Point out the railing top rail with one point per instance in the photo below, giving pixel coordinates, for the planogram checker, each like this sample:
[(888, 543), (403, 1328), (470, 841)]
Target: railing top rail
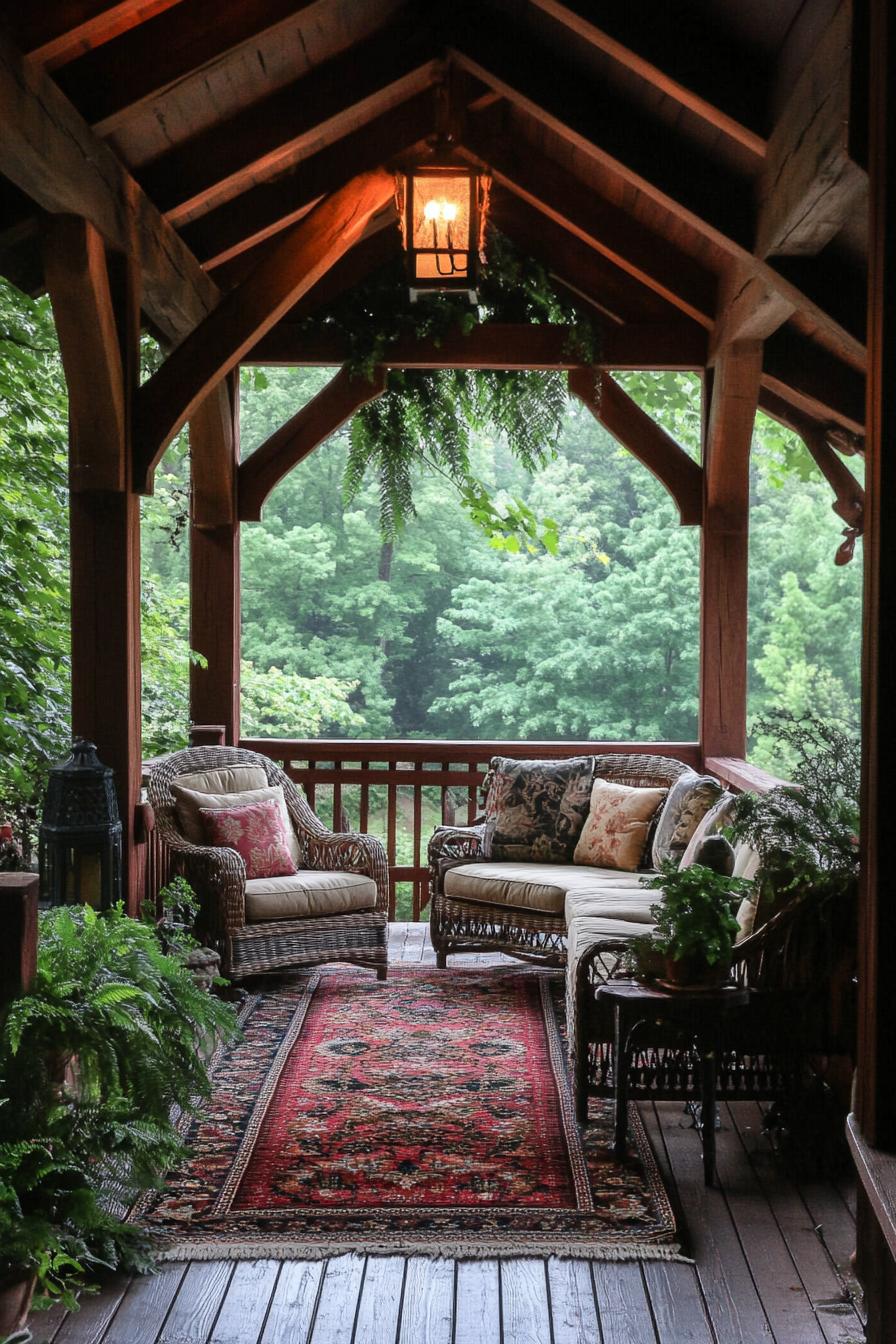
[(461, 750)]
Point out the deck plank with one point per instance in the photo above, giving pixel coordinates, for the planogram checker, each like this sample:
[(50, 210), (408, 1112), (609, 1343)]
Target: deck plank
[(676, 1302), (293, 1302), (477, 1317), (146, 1305), (790, 1313), (242, 1315), (824, 1289), (380, 1304), (525, 1309), (427, 1310), (337, 1305), (89, 1324), (573, 1305), (622, 1303), (732, 1302), (197, 1303)]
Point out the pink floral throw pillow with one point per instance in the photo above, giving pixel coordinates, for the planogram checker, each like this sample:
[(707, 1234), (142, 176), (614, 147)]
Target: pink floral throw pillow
[(257, 834), (615, 834)]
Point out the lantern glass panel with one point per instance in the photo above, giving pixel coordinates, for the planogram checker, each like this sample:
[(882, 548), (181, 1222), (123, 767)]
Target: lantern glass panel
[(442, 206)]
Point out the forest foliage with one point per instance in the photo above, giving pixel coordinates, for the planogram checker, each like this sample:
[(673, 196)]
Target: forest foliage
[(436, 631)]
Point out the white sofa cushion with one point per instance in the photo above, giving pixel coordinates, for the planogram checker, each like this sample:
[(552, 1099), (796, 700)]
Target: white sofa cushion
[(612, 902), (526, 886), (308, 895)]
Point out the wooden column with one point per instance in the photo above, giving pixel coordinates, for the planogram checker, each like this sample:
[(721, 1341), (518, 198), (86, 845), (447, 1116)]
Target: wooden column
[(872, 1129), (18, 933), (731, 393), (215, 562), (97, 314)]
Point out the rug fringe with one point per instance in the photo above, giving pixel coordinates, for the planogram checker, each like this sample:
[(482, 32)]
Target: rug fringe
[(460, 1250)]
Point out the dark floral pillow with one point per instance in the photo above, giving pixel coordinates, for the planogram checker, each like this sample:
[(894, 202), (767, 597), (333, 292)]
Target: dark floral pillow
[(535, 810)]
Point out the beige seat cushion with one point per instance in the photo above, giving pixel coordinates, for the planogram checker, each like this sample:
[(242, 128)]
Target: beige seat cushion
[(188, 801), (631, 904), (581, 935), (308, 895), (525, 886)]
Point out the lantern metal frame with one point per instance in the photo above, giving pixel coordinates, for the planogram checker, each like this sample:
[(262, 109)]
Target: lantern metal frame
[(81, 823), (450, 277)]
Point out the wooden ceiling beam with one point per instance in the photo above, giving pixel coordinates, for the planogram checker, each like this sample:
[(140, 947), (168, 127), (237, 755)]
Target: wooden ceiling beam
[(270, 206), (334, 99), (52, 34), (676, 53), (304, 253), (749, 310), (849, 497), (111, 80), (494, 345), (263, 469), (809, 185), (810, 378), (51, 154), (616, 132), (644, 439), (607, 228)]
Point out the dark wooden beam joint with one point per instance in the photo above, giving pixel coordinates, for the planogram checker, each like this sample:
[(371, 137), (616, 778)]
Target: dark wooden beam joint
[(637, 432)]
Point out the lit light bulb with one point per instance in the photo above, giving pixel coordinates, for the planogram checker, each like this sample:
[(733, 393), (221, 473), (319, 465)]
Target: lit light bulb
[(432, 210), (449, 211)]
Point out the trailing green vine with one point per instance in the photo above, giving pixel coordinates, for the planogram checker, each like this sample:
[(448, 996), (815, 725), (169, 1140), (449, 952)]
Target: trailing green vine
[(428, 418)]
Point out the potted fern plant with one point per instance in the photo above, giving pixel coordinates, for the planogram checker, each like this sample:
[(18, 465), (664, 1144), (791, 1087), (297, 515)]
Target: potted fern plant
[(695, 927), (113, 1036)]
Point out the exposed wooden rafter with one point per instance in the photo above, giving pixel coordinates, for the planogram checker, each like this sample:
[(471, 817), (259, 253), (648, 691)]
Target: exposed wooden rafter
[(304, 253), (58, 32), (51, 154)]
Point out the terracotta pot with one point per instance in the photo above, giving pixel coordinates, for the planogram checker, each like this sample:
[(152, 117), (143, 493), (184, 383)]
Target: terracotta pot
[(15, 1303), (695, 973)]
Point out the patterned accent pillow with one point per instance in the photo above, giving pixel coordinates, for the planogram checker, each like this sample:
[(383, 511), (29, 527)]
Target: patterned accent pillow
[(615, 834), (715, 820), (256, 832), (535, 809), (690, 798)]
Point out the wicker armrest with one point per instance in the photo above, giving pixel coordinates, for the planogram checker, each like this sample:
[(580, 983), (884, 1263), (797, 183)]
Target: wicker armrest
[(450, 846), (351, 852), (218, 876)]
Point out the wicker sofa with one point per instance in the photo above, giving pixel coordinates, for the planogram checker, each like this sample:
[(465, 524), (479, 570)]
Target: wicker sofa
[(335, 908), (799, 964)]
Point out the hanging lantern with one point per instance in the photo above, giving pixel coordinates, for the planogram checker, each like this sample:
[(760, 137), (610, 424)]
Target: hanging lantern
[(80, 833), (443, 212)]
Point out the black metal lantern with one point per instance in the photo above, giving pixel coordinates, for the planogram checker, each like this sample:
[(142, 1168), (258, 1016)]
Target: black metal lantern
[(443, 212), (80, 834)]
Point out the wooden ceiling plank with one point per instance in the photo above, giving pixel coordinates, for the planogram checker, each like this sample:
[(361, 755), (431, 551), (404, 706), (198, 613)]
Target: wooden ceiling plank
[(333, 99), (304, 253), (54, 33), (51, 154), (809, 185), (567, 200), (674, 67), (643, 437), (109, 81), (646, 152), (270, 206), (261, 471)]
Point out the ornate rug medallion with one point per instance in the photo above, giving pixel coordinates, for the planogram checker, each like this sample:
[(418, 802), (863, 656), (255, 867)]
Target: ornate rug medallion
[(431, 1114)]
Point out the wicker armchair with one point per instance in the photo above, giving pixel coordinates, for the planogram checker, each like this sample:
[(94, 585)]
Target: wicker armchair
[(218, 877), (459, 925)]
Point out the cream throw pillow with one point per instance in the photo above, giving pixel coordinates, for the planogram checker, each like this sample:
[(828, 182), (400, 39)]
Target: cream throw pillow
[(615, 834)]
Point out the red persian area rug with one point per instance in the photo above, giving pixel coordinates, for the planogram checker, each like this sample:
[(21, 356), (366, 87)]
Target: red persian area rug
[(431, 1114)]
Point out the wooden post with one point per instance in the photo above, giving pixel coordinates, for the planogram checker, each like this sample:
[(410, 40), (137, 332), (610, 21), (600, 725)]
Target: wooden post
[(215, 565), (97, 316), (18, 933), (731, 394)]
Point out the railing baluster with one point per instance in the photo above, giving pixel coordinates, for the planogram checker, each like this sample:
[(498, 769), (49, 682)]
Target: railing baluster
[(337, 797), (447, 800), (391, 830), (419, 902), (310, 788), (472, 791), (364, 805)]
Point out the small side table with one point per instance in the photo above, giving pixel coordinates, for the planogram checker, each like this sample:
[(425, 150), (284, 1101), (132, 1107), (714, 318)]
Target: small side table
[(701, 1013)]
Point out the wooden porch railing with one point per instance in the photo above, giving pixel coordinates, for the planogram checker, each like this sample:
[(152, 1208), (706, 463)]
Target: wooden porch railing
[(400, 790)]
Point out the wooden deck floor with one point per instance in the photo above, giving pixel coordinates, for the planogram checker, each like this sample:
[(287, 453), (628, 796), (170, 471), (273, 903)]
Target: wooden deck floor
[(771, 1267)]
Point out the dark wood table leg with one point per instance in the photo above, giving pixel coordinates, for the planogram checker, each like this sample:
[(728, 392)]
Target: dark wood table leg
[(709, 1057), (621, 1064)]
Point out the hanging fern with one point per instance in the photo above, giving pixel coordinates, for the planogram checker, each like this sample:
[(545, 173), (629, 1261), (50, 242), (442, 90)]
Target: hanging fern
[(428, 418)]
